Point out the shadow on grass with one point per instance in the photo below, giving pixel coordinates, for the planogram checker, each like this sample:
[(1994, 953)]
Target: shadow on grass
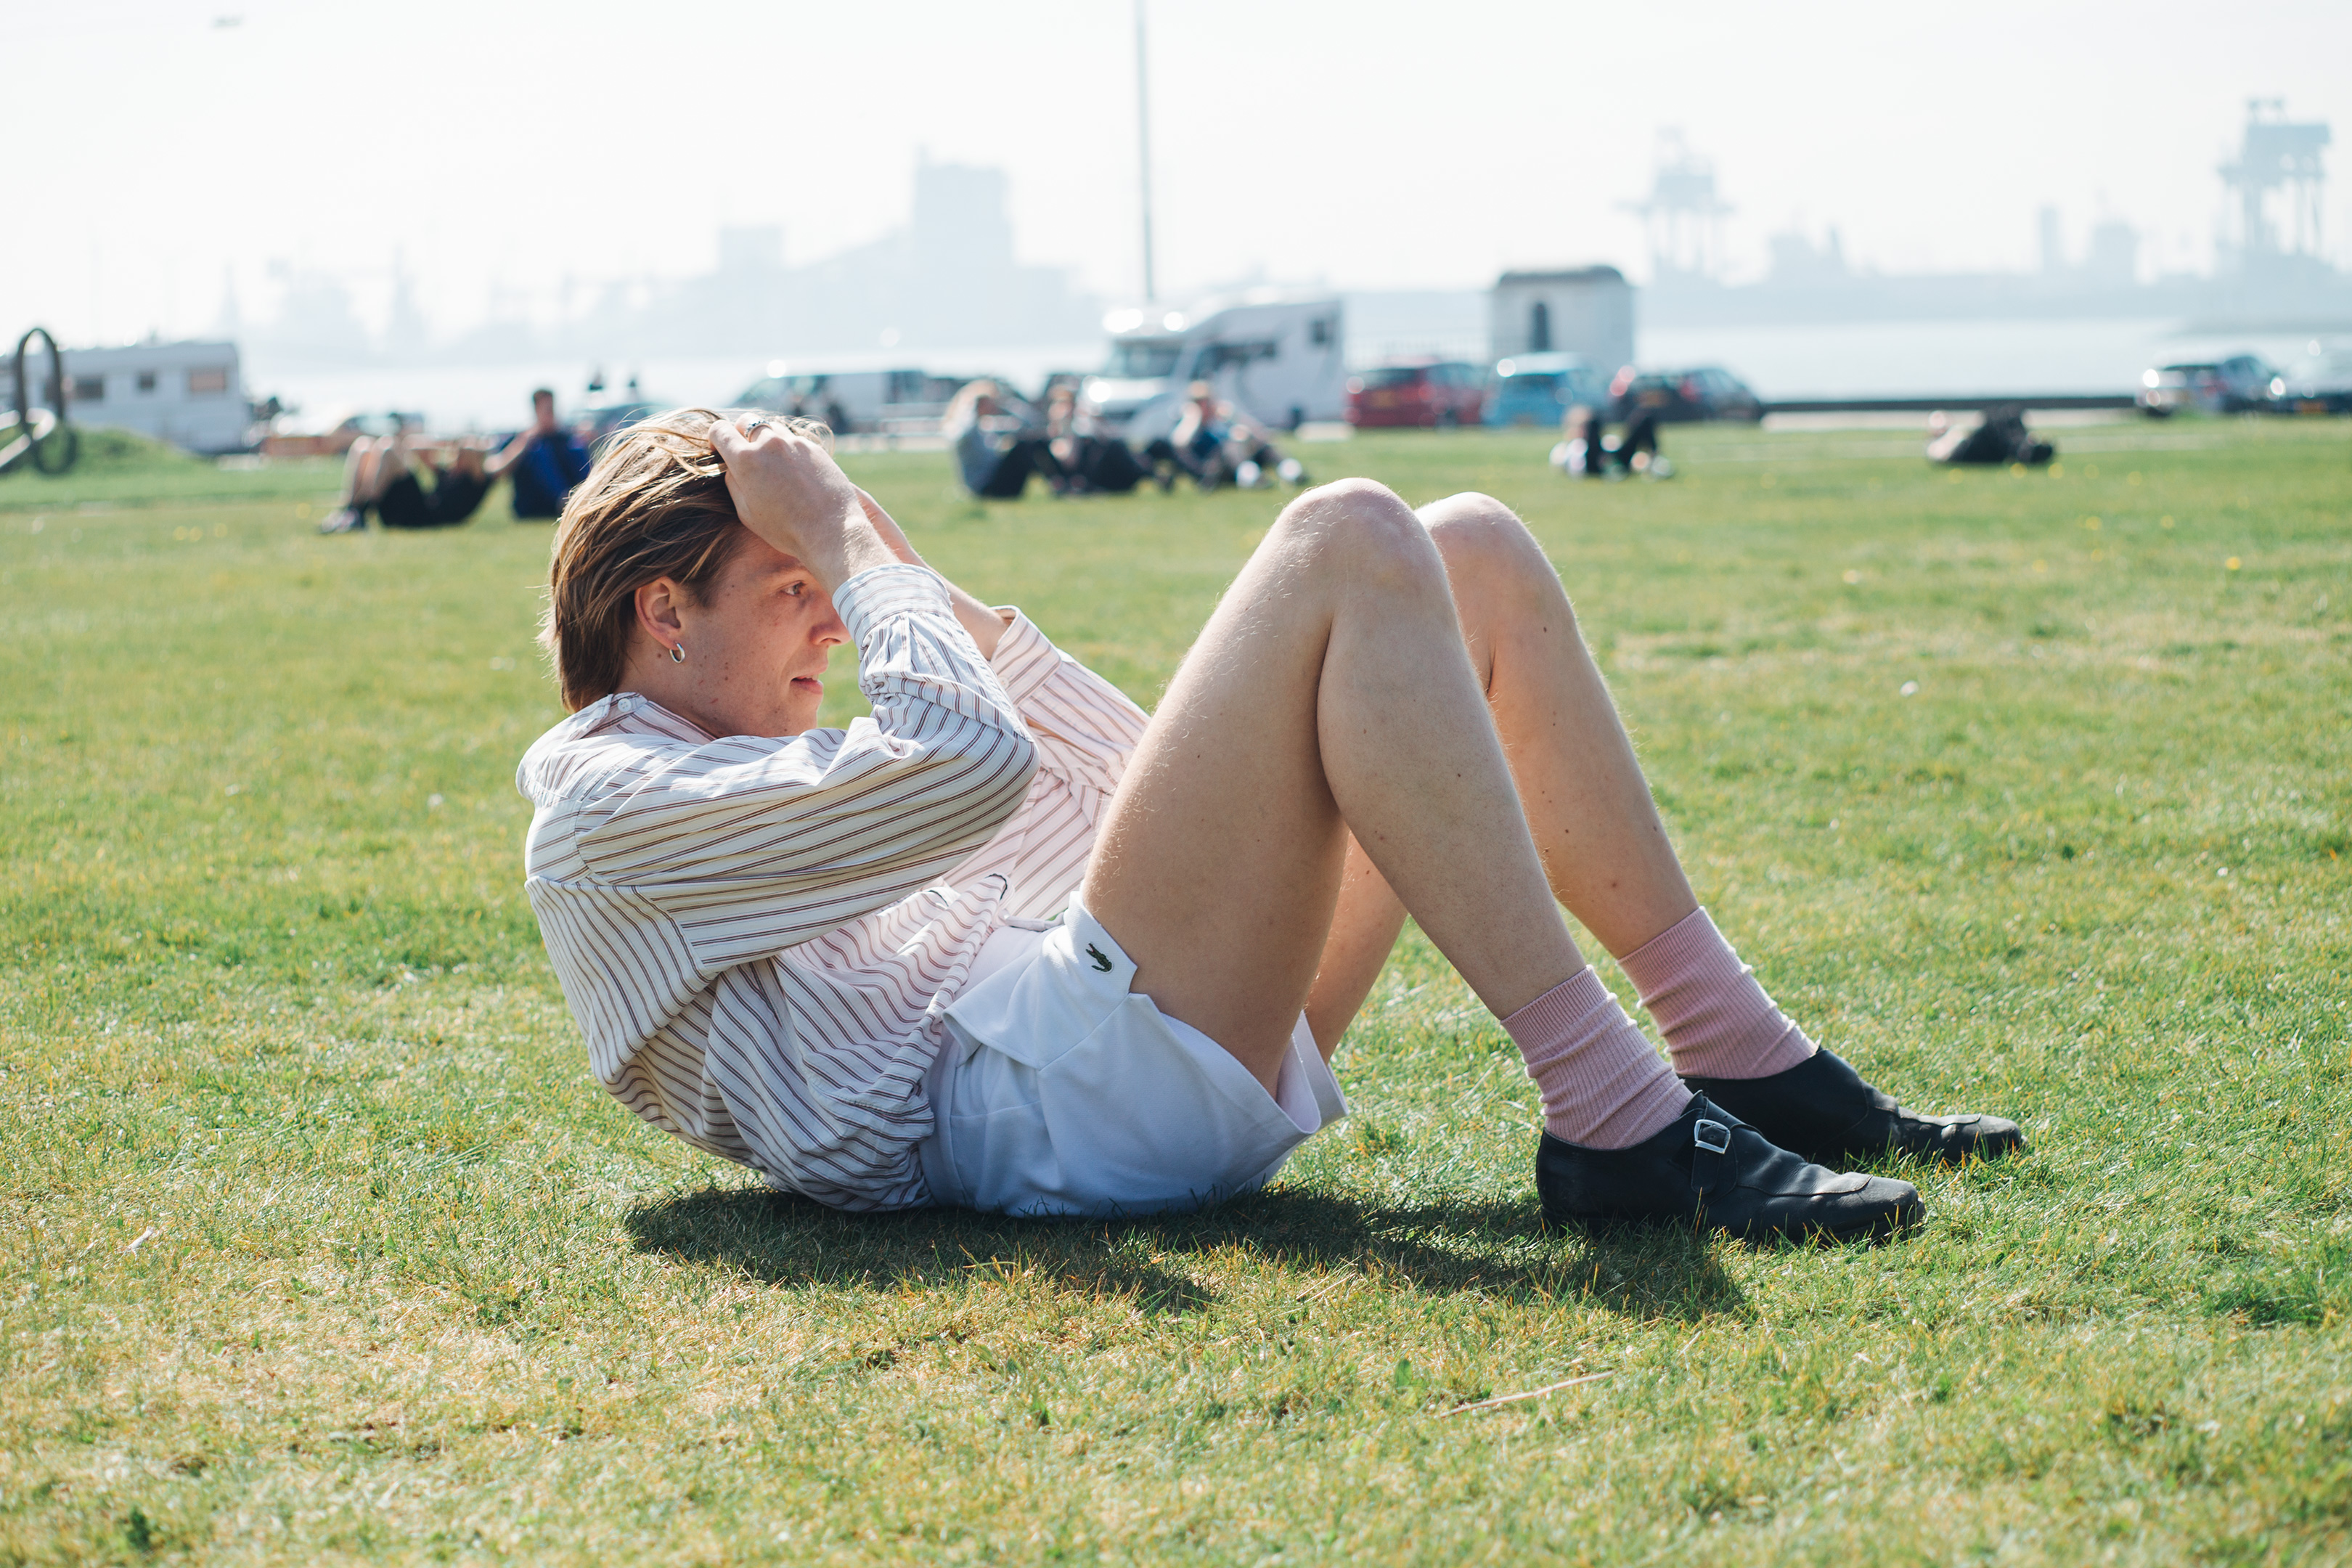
[(1441, 1246)]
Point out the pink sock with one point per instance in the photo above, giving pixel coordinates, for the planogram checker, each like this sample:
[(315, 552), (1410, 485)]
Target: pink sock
[(1602, 1083), (1718, 1023)]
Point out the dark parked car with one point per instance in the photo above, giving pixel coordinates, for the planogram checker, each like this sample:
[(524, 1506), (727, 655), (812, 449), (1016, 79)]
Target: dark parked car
[(1678, 396), (2242, 384), (1423, 392), (2320, 382)]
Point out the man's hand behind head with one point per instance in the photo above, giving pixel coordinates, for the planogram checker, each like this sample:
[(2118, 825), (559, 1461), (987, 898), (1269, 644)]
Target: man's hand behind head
[(788, 489)]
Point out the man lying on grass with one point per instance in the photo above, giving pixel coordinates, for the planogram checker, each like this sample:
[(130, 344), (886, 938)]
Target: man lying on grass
[(1012, 945)]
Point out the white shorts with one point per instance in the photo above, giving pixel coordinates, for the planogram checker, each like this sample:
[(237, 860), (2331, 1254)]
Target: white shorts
[(1063, 1092)]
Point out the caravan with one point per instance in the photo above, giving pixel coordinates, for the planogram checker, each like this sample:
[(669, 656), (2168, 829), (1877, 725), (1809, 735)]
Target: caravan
[(1280, 360), (191, 395)]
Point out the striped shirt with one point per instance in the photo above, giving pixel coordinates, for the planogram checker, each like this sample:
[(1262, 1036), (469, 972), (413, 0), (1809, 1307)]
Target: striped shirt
[(757, 935)]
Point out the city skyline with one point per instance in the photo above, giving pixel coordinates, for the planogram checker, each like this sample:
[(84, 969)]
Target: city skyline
[(1355, 146)]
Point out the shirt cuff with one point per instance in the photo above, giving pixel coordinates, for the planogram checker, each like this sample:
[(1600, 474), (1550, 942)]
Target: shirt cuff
[(873, 596), (1025, 658)]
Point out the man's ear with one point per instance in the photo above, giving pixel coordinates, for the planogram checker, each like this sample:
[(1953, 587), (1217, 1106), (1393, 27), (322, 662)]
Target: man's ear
[(658, 604)]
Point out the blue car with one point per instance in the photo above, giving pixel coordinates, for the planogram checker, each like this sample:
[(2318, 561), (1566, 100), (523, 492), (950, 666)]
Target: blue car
[(1539, 389)]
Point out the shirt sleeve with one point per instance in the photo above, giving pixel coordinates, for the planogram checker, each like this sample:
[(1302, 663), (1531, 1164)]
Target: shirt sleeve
[(753, 844), (1085, 728)]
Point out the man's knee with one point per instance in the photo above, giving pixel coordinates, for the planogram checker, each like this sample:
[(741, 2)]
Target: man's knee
[(1364, 527), (1485, 547)]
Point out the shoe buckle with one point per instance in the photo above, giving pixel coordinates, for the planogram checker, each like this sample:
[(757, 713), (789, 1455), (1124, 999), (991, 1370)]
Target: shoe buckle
[(1721, 1132)]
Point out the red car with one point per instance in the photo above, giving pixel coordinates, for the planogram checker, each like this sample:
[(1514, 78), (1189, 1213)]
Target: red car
[(1423, 393)]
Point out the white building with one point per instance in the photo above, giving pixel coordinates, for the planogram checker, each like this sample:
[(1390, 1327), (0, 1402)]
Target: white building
[(191, 395), (1586, 310)]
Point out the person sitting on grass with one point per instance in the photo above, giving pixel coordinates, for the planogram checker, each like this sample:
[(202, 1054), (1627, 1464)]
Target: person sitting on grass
[(544, 461), (1094, 460), (1218, 444), (380, 475), (1012, 944), (998, 441), (2000, 438), (1583, 452)]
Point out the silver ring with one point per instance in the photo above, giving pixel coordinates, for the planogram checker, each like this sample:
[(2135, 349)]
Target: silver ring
[(757, 423)]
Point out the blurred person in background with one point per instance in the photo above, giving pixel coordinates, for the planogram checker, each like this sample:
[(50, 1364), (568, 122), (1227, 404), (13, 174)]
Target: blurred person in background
[(998, 441), (1217, 443), (544, 462), (1584, 452), (821, 408), (1637, 447), (1581, 453), (380, 475), (2001, 438), (1093, 460)]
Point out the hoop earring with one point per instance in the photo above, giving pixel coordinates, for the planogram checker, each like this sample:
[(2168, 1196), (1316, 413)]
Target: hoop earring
[(677, 652)]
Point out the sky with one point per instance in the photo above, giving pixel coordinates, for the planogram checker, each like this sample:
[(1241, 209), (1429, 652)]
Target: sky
[(167, 150)]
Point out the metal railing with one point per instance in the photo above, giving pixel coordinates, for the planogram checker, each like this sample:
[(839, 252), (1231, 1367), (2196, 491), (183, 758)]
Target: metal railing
[(44, 437)]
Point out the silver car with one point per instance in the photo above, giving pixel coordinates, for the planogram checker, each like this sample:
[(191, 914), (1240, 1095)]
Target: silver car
[(2320, 382)]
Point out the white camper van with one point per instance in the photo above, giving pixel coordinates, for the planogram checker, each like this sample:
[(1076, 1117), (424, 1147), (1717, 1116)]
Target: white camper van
[(189, 393), (1280, 359)]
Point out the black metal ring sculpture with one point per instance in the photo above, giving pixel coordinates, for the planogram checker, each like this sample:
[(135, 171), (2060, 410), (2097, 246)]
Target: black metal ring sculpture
[(44, 436)]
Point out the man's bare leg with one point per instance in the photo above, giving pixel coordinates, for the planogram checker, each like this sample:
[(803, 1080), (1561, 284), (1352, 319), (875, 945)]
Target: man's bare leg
[(1329, 691), (1589, 807), (1605, 852), (368, 467), (1609, 859), (361, 470), (1327, 731), (1364, 930)]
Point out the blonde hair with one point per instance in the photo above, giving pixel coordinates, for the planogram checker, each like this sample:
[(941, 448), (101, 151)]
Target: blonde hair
[(655, 505)]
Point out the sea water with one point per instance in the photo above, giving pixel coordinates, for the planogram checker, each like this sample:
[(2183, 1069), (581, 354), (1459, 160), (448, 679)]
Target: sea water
[(1951, 359), (1882, 359)]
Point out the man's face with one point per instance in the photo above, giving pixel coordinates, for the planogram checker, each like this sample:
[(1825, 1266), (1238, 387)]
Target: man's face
[(542, 412), (758, 646)]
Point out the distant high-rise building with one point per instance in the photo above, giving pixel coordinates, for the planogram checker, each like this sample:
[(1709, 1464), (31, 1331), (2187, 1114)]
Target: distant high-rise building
[(2113, 258), (404, 330), (960, 213), (949, 279), (2054, 242), (231, 319), (751, 250)]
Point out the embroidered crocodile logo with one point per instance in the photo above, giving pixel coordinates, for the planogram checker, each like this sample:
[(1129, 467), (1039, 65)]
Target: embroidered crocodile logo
[(1100, 962)]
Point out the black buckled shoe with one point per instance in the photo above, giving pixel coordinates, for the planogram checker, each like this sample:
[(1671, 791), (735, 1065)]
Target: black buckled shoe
[(1711, 1169), (1823, 1109)]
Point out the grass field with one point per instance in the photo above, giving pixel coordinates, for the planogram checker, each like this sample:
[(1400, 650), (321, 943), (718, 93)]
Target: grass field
[(2028, 793)]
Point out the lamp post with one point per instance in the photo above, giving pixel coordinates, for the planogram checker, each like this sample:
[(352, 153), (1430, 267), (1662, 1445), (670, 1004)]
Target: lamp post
[(1143, 146)]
